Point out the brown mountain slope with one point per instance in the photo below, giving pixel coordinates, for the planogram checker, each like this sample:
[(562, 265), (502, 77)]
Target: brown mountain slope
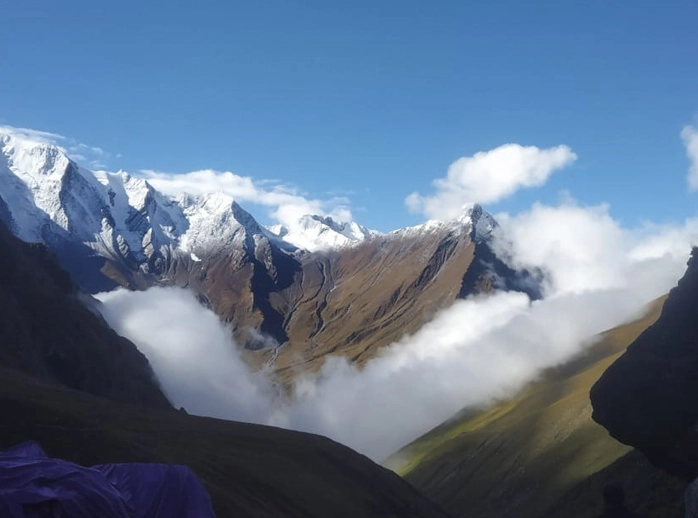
[(522, 457), (354, 302), (47, 331), (348, 302), (249, 471)]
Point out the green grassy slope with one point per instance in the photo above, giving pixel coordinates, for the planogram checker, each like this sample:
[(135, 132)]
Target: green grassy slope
[(519, 457), (249, 471)]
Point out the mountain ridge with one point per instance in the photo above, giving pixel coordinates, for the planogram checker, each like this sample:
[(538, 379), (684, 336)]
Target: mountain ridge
[(283, 302)]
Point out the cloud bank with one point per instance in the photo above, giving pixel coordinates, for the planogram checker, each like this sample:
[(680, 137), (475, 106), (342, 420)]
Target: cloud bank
[(490, 176), (475, 351), (690, 140), (191, 351)]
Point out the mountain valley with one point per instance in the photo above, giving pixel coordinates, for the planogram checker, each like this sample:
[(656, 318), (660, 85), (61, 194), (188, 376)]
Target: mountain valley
[(292, 297)]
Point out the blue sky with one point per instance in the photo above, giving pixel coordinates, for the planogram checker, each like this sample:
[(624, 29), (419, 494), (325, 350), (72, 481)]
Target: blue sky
[(370, 99)]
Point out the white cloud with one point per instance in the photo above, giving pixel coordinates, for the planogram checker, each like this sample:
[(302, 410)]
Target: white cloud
[(188, 347), (89, 156), (600, 274), (690, 140), (287, 205), (490, 176), (581, 248)]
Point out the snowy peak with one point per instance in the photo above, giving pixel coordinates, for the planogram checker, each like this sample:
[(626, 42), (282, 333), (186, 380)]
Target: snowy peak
[(39, 183), (316, 233), (320, 233), (479, 222), (47, 197)]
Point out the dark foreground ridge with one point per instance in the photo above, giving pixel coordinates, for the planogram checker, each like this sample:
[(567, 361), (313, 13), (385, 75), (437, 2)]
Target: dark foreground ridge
[(647, 398), (248, 470)]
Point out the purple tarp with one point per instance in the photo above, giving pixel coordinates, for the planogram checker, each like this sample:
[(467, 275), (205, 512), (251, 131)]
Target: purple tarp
[(32, 485)]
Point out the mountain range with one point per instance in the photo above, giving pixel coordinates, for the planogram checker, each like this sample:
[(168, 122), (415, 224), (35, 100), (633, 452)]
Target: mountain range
[(290, 296)]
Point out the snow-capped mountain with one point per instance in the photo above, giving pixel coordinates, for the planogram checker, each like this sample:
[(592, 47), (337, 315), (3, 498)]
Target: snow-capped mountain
[(47, 197), (319, 233), (110, 229)]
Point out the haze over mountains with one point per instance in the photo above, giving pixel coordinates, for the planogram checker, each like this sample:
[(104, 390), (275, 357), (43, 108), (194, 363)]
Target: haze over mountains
[(367, 341)]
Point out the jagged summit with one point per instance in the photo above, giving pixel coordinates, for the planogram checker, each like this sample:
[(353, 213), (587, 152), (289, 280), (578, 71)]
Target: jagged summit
[(481, 223), (44, 196)]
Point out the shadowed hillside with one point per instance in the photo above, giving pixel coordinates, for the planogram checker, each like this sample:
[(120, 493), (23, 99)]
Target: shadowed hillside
[(647, 398), (249, 470), (533, 455), (46, 330)]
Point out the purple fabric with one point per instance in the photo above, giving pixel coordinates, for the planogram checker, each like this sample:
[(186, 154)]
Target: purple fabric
[(160, 490), (32, 485)]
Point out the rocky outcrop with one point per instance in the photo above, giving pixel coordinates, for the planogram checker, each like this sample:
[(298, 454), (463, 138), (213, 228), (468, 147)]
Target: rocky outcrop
[(647, 398)]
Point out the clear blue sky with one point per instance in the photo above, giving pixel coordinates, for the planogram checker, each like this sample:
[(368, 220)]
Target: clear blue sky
[(374, 97)]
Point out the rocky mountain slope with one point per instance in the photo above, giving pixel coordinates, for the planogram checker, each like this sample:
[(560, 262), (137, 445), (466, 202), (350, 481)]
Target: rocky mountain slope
[(358, 291), (47, 330), (647, 397), (540, 453), (354, 300)]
